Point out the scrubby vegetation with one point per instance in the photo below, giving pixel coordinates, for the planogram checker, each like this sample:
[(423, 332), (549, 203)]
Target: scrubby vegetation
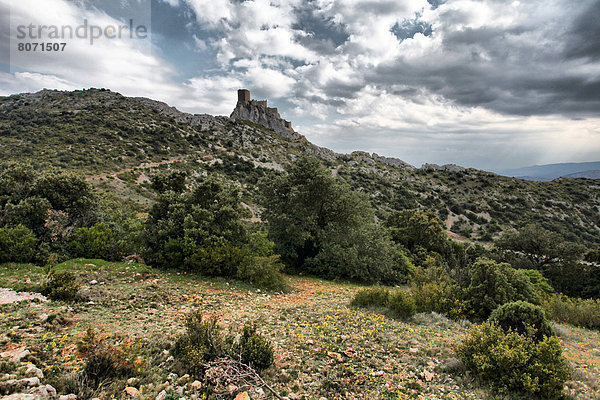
[(513, 362), (206, 213)]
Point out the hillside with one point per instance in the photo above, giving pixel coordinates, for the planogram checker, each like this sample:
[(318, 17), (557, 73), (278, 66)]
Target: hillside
[(119, 142)]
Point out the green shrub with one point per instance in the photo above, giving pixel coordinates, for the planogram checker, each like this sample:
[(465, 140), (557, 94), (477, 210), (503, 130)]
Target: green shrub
[(254, 350), (579, 312), (202, 342), (263, 272), (376, 296), (440, 297), (539, 282), (61, 286), (17, 244), (519, 316), (511, 362), (402, 304), (99, 241), (223, 260), (493, 284)]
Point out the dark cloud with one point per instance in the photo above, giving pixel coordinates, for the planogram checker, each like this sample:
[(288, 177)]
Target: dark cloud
[(323, 34), (584, 35), (436, 3), (524, 69), (409, 28)]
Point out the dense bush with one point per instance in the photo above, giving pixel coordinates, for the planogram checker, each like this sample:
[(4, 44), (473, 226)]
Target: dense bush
[(253, 349), (585, 313), (99, 241), (61, 286), (49, 203), (322, 227), (412, 228), (575, 279), (520, 317), (434, 290), (540, 284), (493, 284), (27, 194), (264, 272), (221, 260), (17, 244), (511, 362), (399, 303), (376, 296), (202, 342), (202, 230), (402, 304), (534, 247), (195, 227)]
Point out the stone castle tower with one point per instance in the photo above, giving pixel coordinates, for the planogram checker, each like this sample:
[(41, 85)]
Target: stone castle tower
[(258, 112)]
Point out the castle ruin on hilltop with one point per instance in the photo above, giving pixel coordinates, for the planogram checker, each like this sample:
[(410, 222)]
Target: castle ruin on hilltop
[(257, 111)]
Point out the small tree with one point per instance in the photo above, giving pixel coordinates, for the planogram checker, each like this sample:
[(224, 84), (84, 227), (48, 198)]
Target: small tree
[(537, 248), (493, 284), (322, 227)]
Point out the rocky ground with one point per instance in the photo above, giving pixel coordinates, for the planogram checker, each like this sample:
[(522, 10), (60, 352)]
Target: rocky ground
[(324, 349)]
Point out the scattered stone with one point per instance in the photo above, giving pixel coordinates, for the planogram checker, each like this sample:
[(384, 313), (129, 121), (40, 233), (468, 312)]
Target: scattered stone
[(16, 355), (183, 380), (242, 396), (132, 381), (19, 396), (310, 342), (46, 392), (67, 397), (162, 395), (334, 355), (32, 370), (350, 352), (377, 373), (428, 375), (30, 382), (93, 282), (413, 350), (172, 376), (196, 385), (131, 391)]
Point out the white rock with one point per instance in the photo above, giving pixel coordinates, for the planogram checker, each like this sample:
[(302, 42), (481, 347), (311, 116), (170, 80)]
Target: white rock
[(32, 370)]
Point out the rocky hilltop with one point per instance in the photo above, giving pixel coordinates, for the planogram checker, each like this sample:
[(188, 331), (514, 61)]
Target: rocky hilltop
[(258, 112)]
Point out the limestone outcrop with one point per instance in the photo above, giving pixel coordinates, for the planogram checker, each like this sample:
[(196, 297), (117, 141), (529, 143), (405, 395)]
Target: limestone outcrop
[(258, 112)]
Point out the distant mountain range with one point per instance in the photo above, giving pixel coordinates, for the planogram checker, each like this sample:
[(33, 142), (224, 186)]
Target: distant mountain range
[(590, 170)]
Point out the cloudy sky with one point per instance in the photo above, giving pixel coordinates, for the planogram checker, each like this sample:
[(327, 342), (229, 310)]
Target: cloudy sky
[(490, 84)]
